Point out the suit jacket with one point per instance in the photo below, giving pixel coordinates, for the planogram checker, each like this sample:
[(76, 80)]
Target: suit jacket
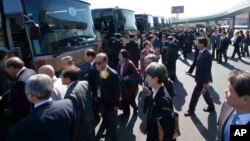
[(129, 70), (19, 104), (171, 53), (157, 43), (5, 81), (48, 122), (203, 67), (225, 113), (237, 41), (93, 77), (84, 125), (134, 51), (224, 43), (115, 48), (157, 111), (110, 90)]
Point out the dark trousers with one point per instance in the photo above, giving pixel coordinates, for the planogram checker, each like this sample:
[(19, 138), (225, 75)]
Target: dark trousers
[(241, 49), (126, 101), (196, 95), (3, 127), (246, 50), (192, 67), (171, 67), (236, 50), (110, 123), (95, 111), (184, 51), (220, 53), (214, 51)]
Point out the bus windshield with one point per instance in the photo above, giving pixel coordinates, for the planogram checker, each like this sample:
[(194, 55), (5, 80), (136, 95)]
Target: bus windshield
[(65, 25), (150, 21), (159, 21), (126, 19)]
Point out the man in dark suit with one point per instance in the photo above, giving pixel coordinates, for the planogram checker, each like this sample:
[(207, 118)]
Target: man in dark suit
[(133, 49), (236, 44), (157, 45), (203, 77), (106, 91), (19, 105), (236, 108), (222, 47), (79, 93), (5, 83), (89, 57), (171, 57), (115, 48), (50, 120)]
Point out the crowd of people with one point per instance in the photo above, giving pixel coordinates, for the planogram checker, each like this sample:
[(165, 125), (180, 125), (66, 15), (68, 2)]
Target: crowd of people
[(70, 105)]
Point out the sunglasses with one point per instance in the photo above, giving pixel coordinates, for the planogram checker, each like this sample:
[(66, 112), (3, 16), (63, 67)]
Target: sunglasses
[(98, 63)]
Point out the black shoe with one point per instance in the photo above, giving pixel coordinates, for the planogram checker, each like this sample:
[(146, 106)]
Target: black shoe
[(208, 109), (188, 114)]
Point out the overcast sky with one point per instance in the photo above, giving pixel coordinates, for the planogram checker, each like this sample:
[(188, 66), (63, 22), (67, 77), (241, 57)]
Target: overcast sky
[(192, 8)]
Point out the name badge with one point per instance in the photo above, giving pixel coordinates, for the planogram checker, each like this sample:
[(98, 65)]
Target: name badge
[(99, 92)]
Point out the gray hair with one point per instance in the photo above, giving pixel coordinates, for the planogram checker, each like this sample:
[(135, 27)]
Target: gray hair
[(152, 58), (158, 70), (40, 86), (68, 59)]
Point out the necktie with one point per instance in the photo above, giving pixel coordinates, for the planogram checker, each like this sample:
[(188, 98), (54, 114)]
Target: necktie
[(199, 56), (232, 122)]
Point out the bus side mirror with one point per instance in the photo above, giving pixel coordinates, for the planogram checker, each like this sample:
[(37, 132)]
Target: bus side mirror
[(33, 30)]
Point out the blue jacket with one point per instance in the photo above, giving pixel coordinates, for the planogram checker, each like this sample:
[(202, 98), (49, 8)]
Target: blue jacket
[(203, 68)]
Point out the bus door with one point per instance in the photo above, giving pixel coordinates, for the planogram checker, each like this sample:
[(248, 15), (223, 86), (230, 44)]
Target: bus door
[(109, 23), (18, 40)]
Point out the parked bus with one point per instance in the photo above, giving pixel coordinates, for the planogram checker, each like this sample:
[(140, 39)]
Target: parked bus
[(163, 21), (42, 31), (157, 22), (114, 20), (144, 22)]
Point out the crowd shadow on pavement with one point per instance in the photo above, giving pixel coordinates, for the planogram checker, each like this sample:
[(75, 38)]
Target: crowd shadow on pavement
[(214, 95), (181, 93), (208, 133), (245, 62), (229, 66), (125, 128)]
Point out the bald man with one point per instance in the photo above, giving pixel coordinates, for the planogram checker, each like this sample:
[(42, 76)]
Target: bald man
[(59, 89), (19, 105)]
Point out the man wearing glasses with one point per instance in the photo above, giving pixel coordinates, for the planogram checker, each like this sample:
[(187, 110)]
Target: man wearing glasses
[(106, 91)]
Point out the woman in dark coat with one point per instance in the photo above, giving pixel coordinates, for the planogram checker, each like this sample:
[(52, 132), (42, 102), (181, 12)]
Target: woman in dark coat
[(160, 121), (127, 72)]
